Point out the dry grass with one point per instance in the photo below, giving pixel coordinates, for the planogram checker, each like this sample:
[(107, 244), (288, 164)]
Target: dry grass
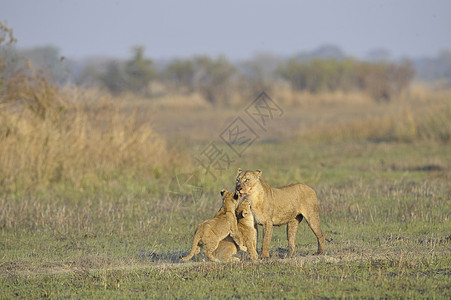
[(287, 96), (420, 116), (408, 126), (50, 134)]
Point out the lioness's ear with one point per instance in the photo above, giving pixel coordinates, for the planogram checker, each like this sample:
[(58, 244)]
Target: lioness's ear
[(238, 172), (259, 173), (223, 191)]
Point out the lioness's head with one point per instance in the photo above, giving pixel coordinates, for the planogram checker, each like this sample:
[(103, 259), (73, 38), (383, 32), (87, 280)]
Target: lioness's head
[(229, 199), (246, 181)]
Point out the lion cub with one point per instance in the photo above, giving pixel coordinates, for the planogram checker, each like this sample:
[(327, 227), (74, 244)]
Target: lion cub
[(211, 232), (227, 246)]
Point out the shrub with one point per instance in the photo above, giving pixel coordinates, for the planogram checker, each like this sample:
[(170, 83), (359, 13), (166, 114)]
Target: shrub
[(380, 80)]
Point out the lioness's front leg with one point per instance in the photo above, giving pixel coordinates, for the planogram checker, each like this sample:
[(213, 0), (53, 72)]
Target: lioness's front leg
[(267, 234), (292, 227)]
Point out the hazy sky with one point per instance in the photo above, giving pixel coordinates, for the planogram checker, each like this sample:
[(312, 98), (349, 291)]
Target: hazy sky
[(237, 29)]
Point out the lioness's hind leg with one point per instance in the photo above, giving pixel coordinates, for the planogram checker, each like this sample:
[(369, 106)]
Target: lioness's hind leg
[(313, 222), (292, 228)]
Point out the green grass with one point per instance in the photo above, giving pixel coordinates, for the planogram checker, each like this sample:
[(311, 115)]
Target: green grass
[(402, 277), (385, 208)]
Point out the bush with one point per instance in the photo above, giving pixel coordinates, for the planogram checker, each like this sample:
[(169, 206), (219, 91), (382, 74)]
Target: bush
[(134, 75), (381, 81)]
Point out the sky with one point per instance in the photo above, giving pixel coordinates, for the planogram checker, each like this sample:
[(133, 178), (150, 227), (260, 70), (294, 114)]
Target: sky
[(237, 29)]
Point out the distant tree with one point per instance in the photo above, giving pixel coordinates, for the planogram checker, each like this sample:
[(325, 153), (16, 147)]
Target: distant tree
[(134, 75), (318, 75), (139, 72), (401, 75), (325, 52), (381, 81), (213, 77), (113, 78), (329, 52), (260, 71), (374, 80), (179, 75), (295, 73)]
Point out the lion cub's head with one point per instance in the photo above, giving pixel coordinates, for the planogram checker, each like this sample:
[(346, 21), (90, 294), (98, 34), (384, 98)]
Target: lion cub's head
[(246, 181), (244, 213), (229, 200)]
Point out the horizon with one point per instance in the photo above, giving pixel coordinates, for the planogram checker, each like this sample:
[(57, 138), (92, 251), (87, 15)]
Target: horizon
[(237, 30)]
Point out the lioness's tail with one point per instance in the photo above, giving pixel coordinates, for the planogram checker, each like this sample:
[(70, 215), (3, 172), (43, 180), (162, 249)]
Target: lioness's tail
[(194, 247)]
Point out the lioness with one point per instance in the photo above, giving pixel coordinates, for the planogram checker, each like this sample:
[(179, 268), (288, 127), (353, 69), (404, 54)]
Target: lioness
[(212, 231), (227, 246), (278, 206)]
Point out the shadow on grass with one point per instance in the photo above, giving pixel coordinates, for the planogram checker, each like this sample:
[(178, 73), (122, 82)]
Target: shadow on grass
[(174, 256), (168, 257)]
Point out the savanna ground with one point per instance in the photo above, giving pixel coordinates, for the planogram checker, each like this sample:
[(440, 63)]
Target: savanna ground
[(100, 197)]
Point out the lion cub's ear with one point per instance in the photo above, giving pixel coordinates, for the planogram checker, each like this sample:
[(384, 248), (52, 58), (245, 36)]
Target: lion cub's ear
[(244, 213), (223, 191), (238, 172), (259, 173)]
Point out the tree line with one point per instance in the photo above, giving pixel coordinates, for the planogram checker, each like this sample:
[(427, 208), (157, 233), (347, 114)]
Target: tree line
[(217, 78), (382, 81)]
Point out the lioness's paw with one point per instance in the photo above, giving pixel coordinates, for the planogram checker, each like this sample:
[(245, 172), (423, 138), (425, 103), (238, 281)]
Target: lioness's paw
[(243, 248)]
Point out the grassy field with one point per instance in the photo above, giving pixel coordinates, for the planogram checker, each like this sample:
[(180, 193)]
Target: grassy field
[(100, 199)]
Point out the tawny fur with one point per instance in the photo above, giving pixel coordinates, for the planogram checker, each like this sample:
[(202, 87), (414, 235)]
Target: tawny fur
[(279, 206), (227, 247), (212, 231)]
